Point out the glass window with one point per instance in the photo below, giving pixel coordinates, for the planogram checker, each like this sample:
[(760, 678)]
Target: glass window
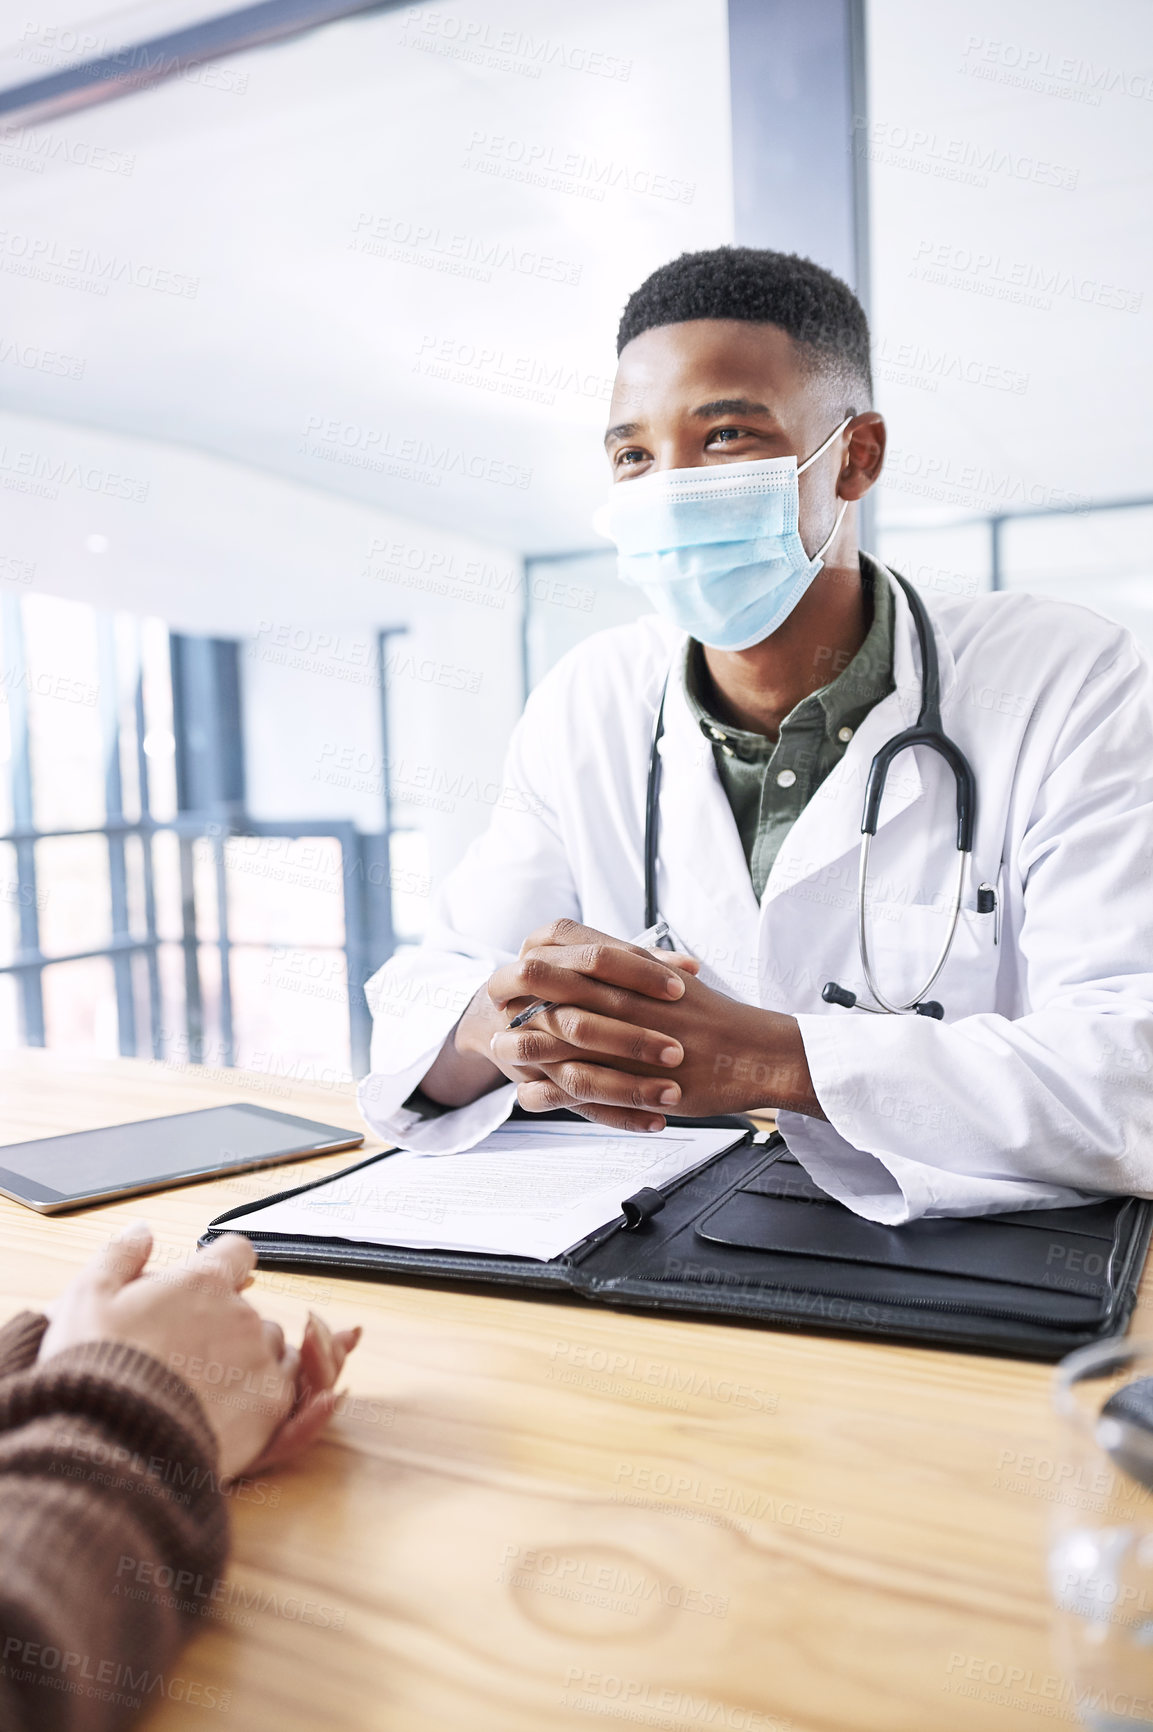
[(62, 681), (73, 893), (10, 898), (80, 1008), (290, 1009), (281, 888)]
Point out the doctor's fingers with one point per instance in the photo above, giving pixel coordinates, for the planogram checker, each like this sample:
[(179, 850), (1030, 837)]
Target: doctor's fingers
[(594, 976), (570, 934), (567, 1032), (543, 1097), (613, 1118), (581, 1083)]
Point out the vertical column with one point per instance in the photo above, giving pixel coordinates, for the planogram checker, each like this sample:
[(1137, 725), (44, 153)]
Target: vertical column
[(799, 120), (148, 858), (798, 115), (526, 577), (370, 930), (23, 823), (207, 723), (114, 814), (996, 553)]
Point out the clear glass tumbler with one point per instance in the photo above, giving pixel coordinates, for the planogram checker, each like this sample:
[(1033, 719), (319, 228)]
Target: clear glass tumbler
[(1101, 1549)]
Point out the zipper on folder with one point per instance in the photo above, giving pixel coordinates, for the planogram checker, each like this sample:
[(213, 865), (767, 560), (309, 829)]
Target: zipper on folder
[(951, 1306)]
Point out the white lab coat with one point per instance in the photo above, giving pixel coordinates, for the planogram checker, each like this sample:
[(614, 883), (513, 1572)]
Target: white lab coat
[(1035, 1088)]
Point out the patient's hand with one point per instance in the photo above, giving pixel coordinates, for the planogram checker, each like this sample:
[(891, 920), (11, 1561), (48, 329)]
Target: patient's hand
[(264, 1399)]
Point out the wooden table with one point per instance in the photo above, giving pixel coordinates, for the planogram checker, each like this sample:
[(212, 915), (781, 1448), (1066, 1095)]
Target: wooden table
[(542, 1517)]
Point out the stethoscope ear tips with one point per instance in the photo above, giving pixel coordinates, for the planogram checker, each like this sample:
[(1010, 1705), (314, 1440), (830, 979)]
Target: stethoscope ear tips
[(930, 1007)]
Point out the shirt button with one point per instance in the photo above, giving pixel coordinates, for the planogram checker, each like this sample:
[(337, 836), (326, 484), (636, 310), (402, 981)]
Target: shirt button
[(786, 778), (844, 735)]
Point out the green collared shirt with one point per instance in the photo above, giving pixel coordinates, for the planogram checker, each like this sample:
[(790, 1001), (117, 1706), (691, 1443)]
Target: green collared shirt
[(770, 782)]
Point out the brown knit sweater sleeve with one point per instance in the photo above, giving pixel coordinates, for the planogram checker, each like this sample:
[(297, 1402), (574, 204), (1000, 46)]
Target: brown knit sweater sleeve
[(113, 1533)]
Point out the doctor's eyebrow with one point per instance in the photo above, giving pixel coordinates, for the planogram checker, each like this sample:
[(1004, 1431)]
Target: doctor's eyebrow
[(732, 406), (705, 412)]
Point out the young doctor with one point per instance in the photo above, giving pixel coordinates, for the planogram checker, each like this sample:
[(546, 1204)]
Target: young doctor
[(740, 439)]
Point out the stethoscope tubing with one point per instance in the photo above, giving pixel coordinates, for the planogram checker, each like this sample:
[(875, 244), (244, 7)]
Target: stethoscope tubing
[(652, 809), (863, 933)]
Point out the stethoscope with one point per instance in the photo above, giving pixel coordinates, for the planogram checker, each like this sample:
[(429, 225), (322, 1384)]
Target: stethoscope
[(926, 731)]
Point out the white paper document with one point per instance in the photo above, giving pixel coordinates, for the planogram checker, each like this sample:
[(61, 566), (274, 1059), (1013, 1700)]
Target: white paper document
[(526, 1190)]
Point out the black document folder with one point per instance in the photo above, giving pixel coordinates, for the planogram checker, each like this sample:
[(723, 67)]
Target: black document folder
[(750, 1236)]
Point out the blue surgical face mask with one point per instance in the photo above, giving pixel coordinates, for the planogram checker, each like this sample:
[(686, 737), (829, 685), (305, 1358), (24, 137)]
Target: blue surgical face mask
[(716, 549)]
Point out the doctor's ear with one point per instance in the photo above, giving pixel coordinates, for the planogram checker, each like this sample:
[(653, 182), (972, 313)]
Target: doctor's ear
[(864, 455)]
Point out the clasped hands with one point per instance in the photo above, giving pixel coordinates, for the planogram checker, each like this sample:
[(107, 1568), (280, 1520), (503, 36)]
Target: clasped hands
[(634, 1035)]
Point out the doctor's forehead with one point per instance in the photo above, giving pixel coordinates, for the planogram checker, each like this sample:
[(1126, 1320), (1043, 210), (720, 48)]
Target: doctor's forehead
[(676, 369)]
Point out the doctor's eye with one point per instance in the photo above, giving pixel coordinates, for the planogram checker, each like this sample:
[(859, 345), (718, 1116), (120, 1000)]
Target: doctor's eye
[(629, 456), (725, 435)]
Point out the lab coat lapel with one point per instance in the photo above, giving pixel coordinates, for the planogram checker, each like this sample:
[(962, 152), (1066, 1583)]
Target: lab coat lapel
[(704, 890), (829, 827)]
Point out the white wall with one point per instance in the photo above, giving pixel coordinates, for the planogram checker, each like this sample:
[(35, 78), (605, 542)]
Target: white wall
[(1009, 153)]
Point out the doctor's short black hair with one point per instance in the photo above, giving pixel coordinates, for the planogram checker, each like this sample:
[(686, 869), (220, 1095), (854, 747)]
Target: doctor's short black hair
[(815, 308)]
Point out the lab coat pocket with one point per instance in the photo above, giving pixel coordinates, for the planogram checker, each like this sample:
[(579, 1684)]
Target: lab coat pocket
[(904, 945)]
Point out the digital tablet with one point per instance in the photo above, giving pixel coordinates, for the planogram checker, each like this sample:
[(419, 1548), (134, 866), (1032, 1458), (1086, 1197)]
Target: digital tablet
[(55, 1173)]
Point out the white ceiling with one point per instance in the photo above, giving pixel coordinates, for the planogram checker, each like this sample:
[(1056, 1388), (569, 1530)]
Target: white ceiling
[(367, 132), (303, 352), (52, 35)]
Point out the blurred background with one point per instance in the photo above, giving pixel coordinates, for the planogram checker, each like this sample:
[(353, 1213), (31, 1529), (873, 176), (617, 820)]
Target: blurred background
[(306, 346)]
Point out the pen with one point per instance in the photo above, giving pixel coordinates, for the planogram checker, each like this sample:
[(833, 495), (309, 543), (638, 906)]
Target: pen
[(650, 938)]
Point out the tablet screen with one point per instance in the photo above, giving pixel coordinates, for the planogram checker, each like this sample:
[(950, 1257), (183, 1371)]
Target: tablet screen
[(154, 1153)]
